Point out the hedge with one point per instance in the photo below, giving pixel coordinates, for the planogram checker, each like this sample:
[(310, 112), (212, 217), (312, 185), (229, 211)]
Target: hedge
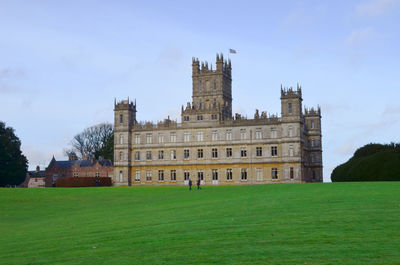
[(83, 182)]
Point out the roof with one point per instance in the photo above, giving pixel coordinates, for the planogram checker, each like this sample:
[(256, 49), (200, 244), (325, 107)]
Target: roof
[(81, 163), (37, 174)]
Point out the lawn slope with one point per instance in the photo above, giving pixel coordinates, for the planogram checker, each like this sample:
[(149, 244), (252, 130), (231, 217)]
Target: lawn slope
[(337, 223)]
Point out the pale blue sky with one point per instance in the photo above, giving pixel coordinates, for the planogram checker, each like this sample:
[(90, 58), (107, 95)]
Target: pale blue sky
[(63, 62)]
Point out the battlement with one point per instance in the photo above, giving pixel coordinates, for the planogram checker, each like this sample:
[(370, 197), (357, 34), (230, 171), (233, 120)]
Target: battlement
[(289, 92), (125, 105), (312, 112), (223, 66)]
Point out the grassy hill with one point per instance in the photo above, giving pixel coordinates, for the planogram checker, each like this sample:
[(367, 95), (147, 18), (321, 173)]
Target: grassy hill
[(372, 162), (336, 223)]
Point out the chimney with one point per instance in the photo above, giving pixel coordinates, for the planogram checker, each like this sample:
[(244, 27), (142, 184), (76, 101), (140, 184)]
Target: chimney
[(37, 168)]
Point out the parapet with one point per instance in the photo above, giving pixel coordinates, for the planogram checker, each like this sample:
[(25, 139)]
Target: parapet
[(312, 112), (124, 105), (223, 66), (289, 92)]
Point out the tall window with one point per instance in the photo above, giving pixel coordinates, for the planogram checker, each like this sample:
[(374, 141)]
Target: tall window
[(121, 156), (200, 175), (173, 137), (149, 138), (215, 85), (291, 152), (215, 135), (200, 85), (186, 153), (214, 116), (161, 175), (290, 108), (148, 155), (161, 154), (121, 118), (242, 134), (173, 175), (258, 134), (121, 139), (243, 152), (312, 125), (199, 153), (186, 137), (200, 136), (229, 152), (137, 138), (313, 175), (312, 157), (121, 176), (137, 175), (185, 118), (259, 174), (228, 135), (312, 142), (274, 150), (200, 117), (274, 173), (161, 138), (214, 152), (243, 172), (291, 173), (137, 155), (97, 175), (290, 131), (229, 174), (259, 151), (273, 133), (173, 154), (149, 175), (186, 175), (214, 174)]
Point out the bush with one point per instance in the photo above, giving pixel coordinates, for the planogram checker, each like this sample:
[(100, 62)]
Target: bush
[(83, 182)]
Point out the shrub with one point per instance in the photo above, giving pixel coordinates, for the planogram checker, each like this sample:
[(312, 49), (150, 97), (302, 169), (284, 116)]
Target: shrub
[(83, 182)]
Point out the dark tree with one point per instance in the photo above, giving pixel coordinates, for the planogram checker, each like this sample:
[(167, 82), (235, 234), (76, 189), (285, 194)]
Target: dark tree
[(13, 164), (97, 140)]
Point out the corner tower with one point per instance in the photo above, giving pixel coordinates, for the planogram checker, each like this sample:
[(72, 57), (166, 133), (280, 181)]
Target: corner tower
[(124, 119)]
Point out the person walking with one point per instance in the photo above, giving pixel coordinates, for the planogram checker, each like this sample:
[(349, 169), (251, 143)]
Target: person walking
[(198, 184), (190, 184)]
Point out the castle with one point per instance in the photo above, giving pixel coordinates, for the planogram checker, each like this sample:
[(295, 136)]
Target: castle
[(211, 145)]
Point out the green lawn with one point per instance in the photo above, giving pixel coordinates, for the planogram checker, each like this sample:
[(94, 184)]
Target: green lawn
[(339, 223)]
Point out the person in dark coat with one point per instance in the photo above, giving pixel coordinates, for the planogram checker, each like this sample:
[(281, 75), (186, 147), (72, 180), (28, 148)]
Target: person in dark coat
[(190, 184), (198, 184)]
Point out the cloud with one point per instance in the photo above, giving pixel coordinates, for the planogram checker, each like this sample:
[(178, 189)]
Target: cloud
[(361, 36), (375, 8), (391, 110)]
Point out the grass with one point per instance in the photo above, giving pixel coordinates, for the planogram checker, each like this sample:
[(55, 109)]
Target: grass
[(337, 223)]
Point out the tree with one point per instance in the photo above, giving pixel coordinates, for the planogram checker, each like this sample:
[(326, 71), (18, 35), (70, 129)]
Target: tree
[(13, 164), (97, 140)]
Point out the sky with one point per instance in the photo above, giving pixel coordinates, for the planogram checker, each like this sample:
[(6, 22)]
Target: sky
[(62, 64)]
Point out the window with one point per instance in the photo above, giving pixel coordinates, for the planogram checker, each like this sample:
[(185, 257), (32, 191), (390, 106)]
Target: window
[(229, 135), (200, 136), (214, 152), (258, 134), (149, 138), (312, 143), (121, 118), (274, 173), (290, 133), (313, 175), (97, 175), (291, 152), (273, 133), (243, 152), (75, 175), (214, 116), (312, 125), (229, 174), (161, 154), (259, 151), (161, 175), (200, 175), (186, 153), (137, 175), (148, 155), (274, 150), (121, 139), (214, 174), (243, 174), (199, 153), (173, 137), (228, 152), (200, 85), (137, 155), (173, 154), (214, 135), (173, 175), (121, 156), (312, 157), (137, 138), (149, 175), (186, 118), (186, 175), (259, 174), (161, 138), (200, 117), (242, 134), (121, 176), (215, 85), (291, 173), (186, 137), (290, 109)]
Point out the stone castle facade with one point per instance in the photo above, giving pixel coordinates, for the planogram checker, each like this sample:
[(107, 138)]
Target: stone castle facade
[(215, 146)]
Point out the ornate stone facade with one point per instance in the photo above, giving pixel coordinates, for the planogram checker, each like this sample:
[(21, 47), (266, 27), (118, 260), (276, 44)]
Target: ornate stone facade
[(214, 146)]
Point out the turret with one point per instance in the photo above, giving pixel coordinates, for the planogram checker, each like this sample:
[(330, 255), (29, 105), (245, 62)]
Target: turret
[(291, 104)]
